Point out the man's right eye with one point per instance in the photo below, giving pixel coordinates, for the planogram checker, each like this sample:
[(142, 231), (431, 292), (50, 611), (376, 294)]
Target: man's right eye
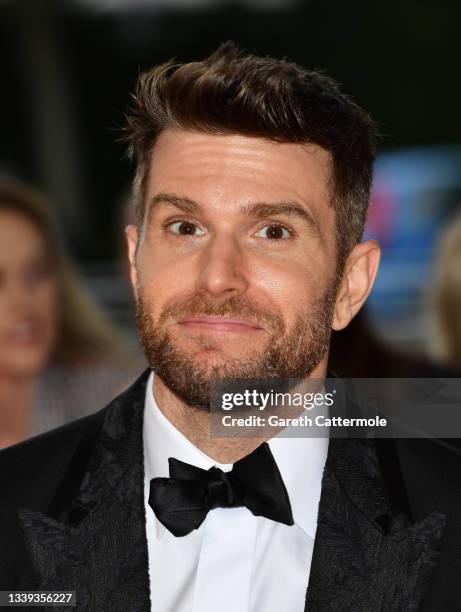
[(185, 228)]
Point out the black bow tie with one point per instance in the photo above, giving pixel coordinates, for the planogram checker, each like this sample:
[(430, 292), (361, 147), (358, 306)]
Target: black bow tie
[(182, 501)]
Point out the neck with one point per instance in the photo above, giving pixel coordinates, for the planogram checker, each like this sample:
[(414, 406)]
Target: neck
[(194, 423), (16, 394)]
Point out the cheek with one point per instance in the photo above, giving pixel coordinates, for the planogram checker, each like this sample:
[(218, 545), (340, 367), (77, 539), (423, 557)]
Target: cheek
[(162, 262), (160, 282), (5, 311), (47, 305), (291, 287)]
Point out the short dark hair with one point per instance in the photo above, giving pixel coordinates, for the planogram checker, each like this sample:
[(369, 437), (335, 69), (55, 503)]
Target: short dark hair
[(232, 92)]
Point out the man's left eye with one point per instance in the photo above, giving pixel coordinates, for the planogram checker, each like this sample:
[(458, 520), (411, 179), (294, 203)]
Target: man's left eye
[(274, 232)]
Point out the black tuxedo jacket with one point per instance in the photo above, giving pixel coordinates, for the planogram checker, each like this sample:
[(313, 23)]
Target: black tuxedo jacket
[(72, 517)]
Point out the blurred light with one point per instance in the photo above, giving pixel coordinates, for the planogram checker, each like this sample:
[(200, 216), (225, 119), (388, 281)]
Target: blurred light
[(416, 191)]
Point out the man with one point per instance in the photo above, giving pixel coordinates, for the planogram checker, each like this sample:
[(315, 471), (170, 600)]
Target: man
[(252, 186)]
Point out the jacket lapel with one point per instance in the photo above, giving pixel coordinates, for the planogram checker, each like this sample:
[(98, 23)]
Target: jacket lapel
[(367, 555), (97, 544)]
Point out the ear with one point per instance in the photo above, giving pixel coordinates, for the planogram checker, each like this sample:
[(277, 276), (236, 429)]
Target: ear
[(131, 233), (357, 282)]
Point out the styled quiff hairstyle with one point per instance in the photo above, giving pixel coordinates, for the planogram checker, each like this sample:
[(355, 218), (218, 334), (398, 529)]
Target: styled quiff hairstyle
[(231, 92)]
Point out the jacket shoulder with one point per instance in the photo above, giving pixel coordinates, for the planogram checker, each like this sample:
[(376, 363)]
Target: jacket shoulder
[(38, 462), (31, 471)]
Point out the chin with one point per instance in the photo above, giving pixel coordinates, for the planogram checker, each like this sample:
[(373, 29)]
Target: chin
[(214, 347), (212, 357), (24, 368)]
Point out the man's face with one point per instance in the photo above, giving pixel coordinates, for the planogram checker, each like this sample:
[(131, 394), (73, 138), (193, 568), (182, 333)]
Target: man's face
[(235, 268)]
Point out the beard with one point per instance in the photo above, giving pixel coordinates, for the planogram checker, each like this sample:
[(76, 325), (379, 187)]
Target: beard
[(287, 354)]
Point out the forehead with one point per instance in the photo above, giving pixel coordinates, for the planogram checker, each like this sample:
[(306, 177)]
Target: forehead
[(19, 237), (231, 170)]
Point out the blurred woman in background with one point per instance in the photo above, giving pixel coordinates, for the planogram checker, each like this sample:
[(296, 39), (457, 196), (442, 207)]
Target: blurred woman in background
[(446, 344), (59, 356)]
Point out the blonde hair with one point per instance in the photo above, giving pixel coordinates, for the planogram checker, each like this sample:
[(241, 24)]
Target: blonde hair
[(447, 294), (84, 333)]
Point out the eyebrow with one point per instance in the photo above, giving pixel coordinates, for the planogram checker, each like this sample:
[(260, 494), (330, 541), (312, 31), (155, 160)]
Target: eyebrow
[(258, 209)]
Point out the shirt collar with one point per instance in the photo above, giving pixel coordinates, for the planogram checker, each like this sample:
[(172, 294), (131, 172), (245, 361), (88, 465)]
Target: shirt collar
[(300, 460)]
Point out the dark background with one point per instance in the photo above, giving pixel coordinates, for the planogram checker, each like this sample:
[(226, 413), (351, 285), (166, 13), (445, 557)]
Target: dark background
[(399, 59)]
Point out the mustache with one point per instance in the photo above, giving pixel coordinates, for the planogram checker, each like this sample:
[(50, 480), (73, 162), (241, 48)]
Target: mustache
[(236, 307)]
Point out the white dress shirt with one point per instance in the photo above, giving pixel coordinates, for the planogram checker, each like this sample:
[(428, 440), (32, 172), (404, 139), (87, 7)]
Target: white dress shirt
[(235, 561)]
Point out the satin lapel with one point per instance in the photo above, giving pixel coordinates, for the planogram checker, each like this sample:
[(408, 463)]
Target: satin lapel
[(365, 558), (99, 548)]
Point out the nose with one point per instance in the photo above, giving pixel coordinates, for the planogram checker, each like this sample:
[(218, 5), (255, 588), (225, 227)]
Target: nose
[(222, 268)]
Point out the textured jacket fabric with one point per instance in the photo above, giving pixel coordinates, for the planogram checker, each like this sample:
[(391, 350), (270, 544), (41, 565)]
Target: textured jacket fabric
[(72, 517)]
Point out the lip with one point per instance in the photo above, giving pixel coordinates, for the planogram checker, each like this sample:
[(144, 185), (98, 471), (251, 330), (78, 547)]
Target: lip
[(27, 333), (219, 324)]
